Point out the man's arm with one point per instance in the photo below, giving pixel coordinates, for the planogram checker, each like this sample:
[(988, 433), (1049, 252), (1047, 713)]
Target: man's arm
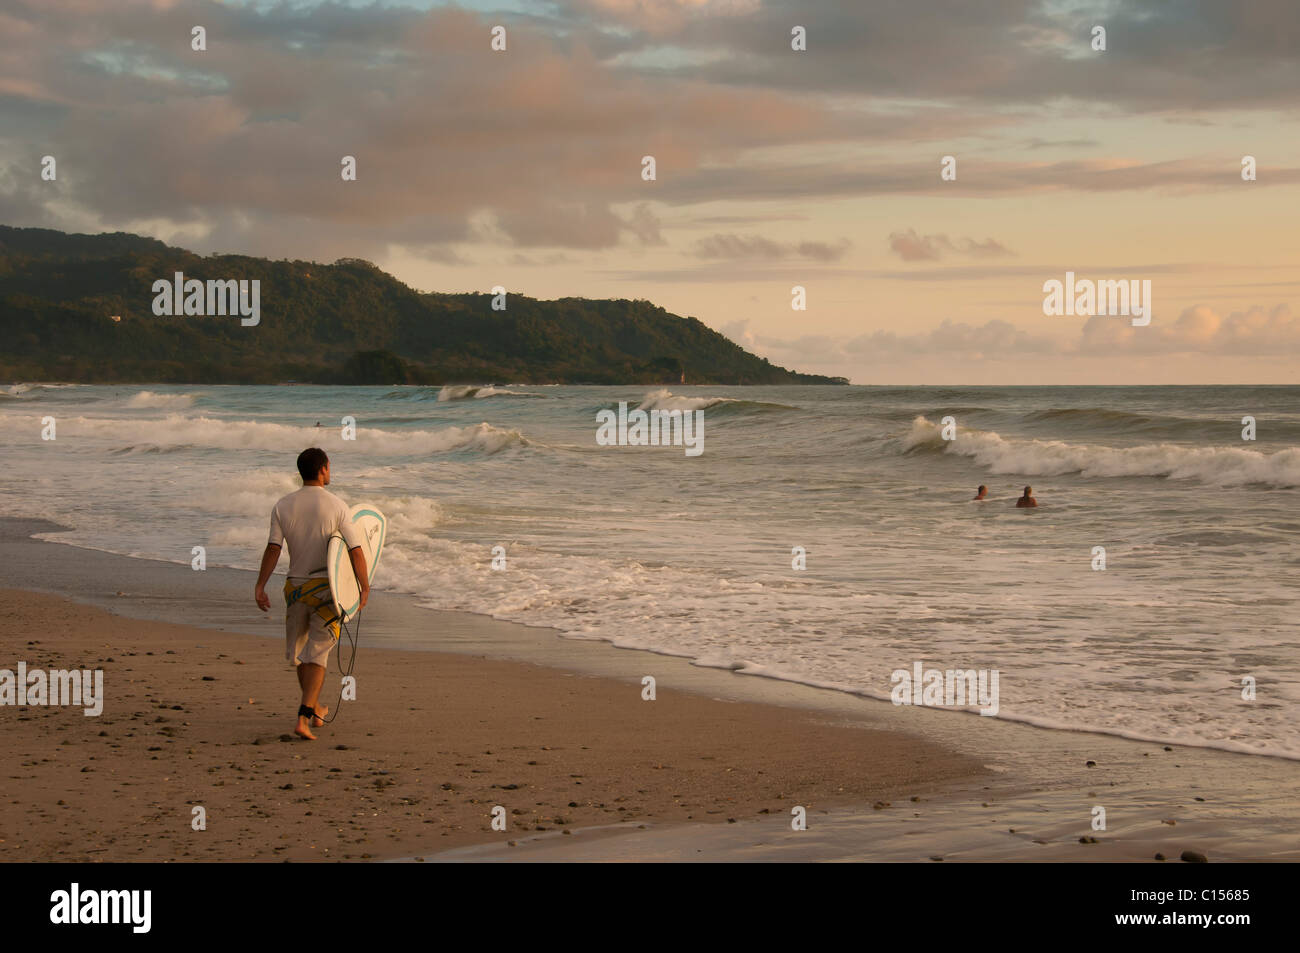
[(363, 577), (269, 558)]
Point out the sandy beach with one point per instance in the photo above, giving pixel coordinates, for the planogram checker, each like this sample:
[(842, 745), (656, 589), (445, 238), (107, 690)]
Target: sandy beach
[(433, 742), (555, 731)]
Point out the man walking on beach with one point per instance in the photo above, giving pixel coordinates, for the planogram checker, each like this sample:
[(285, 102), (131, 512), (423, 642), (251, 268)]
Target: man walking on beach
[(306, 519)]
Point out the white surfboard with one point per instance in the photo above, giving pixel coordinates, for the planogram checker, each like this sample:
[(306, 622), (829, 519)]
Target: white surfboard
[(371, 526)]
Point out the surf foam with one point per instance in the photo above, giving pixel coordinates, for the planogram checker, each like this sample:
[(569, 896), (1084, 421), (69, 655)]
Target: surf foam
[(1218, 466)]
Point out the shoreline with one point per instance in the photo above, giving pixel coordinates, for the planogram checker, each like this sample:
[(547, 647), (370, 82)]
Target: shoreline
[(1028, 774), (197, 718), (395, 615)]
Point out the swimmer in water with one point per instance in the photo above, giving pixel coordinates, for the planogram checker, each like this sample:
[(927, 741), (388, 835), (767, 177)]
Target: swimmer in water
[(981, 494), (1027, 499)]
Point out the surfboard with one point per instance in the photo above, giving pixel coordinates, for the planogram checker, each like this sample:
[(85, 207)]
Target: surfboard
[(372, 527)]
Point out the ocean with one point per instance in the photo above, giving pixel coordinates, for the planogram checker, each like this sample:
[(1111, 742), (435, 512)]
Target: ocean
[(651, 548)]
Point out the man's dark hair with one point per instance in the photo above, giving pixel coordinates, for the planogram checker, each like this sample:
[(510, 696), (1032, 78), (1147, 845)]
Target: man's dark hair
[(311, 462)]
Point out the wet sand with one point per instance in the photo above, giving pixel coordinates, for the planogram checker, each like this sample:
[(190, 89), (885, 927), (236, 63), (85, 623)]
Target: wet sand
[(971, 824)]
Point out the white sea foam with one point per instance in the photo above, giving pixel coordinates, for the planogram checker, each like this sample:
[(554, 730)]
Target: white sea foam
[(468, 391), (409, 516), (18, 390), (1220, 466), (247, 494), (664, 399), (151, 400), (176, 433)]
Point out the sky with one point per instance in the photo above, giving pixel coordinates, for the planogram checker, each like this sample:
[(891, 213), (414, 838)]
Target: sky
[(774, 167)]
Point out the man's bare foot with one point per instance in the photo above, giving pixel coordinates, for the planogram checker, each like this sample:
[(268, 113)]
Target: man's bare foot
[(321, 712), (304, 730)]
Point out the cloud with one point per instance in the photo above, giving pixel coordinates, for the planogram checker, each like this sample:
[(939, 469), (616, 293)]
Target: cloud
[(1257, 332), (757, 247), (242, 143), (1195, 55), (659, 17), (1039, 143), (1254, 332), (910, 246), (739, 331), (645, 225), (546, 261), (762, 270), (833, 179), (442, 254), (573, 225), (992, 340)]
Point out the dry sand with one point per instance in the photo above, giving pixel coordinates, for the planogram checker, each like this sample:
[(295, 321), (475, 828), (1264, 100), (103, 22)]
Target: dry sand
[(415, 765)]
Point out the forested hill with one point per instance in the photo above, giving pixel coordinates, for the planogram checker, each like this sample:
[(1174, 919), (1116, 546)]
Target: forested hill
[(81, 308)]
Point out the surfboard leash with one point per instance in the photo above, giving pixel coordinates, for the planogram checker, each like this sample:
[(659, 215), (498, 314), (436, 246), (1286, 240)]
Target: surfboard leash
[(354, 635)]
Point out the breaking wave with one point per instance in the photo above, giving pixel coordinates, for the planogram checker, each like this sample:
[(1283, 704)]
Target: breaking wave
[(1219, 466)]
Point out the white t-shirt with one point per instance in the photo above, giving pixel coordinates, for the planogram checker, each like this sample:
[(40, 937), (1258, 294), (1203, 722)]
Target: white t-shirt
[(306, 519)]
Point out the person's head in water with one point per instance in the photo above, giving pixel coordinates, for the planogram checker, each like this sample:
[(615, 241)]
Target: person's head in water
[(1029, 491), (982, 492), (314, 466)]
